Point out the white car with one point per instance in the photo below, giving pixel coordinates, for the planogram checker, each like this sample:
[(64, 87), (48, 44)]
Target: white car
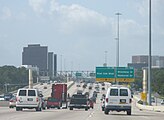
[(162, 102), (2, 98), (28, 98), (118, 98)]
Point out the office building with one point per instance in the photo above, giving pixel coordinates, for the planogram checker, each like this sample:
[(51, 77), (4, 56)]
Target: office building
[(36, 55)]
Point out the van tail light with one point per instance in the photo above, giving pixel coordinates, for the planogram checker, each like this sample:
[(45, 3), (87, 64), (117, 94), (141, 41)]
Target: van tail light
[(37, 100), (130, 100), (17, 99), (106, 100)]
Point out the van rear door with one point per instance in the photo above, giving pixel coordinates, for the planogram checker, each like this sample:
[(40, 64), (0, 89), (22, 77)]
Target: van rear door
[(124, 99), (113, 96), (32, 98), (21, 99)]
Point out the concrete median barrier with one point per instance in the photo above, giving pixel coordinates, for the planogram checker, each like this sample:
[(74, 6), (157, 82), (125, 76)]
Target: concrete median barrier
[(147, 107)]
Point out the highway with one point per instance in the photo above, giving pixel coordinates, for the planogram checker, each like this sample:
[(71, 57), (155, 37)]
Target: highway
[(78, 114)]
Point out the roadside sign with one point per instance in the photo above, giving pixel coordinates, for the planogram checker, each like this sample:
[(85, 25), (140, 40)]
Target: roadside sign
[(112, 74), (105, 74), (92, 74), (78, 74), (124, 74), (143, 96)]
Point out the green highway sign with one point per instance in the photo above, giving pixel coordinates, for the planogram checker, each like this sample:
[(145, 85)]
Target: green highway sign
[(78, 74), (105, 72), (92, 74), (112, 74), (124, 72)]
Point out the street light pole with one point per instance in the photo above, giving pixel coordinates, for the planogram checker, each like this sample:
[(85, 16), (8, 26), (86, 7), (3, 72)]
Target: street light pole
[(118, 35), (149, 62)]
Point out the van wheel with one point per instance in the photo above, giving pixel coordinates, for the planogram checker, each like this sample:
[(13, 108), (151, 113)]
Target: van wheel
[(58, 107), (129, 112), (71, 108), (86, 109), (106, 111), (18, 109), (38, 109)]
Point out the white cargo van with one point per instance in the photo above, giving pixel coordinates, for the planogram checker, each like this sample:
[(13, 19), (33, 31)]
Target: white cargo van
[(28, 98), (118, 98)]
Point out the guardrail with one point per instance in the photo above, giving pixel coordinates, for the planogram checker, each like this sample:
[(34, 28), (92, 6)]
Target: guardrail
[(147, 107)]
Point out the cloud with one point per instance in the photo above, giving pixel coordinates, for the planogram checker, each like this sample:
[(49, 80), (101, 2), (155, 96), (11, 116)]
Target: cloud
[(38, 5), (5, 13), (75, 18)]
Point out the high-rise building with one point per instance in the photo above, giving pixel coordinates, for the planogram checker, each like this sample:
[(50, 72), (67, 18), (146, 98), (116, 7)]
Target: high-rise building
[(36, 55), (51, 64), (55, 64), (141, 61)]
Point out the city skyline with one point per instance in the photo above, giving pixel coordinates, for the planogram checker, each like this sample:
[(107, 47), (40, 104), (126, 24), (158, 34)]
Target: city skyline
[(80, 31)]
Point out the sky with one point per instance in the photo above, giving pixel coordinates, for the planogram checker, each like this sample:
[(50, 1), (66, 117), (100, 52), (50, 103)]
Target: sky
[(80, 31)]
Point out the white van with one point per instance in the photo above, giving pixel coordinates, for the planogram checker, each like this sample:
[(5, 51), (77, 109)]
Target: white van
[(28, 98), (118, 98)]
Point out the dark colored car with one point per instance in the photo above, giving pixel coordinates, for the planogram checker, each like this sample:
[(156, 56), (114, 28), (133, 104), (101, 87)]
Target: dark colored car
[(44, 104), (8, 96), (91, 103), (53, 103), (79, 101)]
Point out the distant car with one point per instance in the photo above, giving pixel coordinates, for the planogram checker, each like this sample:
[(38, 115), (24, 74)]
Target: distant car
[(2, 98), (12, 102), (103, 88), (162, 102), (45, 87), (79, 91), (78, 85), (153, 99), (90, 87), (91, 103), (8, 96), (44, 104)]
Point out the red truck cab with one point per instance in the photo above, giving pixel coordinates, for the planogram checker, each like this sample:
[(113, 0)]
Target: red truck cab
[(53, 103)]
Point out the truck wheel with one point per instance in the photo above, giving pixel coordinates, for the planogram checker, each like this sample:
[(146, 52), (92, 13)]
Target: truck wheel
[(86, 109), (58, 107), (17, 108), (71, 108), (129, 112), (38, 109), (106, 111)]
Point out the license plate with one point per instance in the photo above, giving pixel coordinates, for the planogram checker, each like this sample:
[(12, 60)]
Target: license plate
[(122, 100), (29, 99)]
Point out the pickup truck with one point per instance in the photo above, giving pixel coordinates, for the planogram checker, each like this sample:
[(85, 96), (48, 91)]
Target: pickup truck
[(79, 101)]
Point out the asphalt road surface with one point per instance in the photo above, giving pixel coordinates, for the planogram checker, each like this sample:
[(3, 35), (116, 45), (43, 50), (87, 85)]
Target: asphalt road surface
[(78, 114)]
